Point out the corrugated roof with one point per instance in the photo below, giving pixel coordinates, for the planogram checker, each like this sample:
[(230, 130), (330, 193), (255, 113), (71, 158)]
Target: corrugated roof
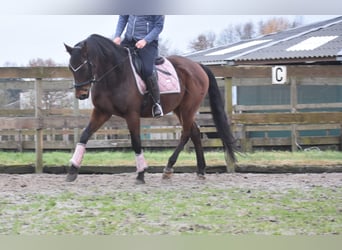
[(317, 41)]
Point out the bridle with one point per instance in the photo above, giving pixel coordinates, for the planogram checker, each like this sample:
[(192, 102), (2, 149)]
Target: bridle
[(90, 81), (93, 78)]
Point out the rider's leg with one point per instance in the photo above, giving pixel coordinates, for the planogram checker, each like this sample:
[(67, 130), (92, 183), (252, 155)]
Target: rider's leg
[(148, 55)]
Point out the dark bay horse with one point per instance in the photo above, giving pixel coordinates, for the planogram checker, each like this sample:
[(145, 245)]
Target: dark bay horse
[(102, 67)]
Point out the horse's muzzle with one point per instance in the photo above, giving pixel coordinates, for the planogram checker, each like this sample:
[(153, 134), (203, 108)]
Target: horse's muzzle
[(83, 96)]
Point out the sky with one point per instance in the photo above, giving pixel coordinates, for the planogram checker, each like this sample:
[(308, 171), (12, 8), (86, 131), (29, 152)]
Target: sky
[(26, 37)]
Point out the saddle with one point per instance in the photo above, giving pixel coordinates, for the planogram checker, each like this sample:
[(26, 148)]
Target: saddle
[(167, 76), (138, 64)]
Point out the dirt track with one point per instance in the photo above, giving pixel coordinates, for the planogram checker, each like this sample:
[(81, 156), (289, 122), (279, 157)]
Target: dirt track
[(90, 184)]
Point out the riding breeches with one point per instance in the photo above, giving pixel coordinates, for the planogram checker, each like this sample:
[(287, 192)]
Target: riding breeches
[(148, 54)]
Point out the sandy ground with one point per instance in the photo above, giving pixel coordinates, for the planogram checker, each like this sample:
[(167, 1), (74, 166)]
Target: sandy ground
[(104, 184)]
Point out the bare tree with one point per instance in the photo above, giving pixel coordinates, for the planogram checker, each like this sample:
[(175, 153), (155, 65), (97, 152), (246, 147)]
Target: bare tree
[(227, 36), (51, 99), (10, 64), (235, 33), (277, 24), (244, 31), (39, 62), (297, 22), (203, 41), (248, 30), (164, 48)]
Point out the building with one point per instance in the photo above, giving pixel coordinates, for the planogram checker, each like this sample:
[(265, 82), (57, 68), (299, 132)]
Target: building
[(294, 71)]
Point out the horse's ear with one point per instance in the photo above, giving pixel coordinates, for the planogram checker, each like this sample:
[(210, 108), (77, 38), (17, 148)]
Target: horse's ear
[(68, 48)]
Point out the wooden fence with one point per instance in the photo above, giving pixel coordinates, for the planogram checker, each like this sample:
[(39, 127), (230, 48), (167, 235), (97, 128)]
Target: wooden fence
[(45, 127)]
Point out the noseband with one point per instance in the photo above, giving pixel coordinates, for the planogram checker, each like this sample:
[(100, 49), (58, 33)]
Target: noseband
[(81, 84)]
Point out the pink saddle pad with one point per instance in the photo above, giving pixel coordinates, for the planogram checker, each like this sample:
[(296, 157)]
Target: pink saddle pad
[(167, 78)]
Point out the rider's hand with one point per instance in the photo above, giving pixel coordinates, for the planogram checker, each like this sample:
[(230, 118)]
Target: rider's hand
[(141, 44), (117, 40)]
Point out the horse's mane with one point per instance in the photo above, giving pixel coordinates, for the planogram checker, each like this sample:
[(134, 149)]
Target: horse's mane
[(104, 49)]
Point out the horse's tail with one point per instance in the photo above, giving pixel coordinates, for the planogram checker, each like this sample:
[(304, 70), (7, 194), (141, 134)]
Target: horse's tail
[(219, 115)]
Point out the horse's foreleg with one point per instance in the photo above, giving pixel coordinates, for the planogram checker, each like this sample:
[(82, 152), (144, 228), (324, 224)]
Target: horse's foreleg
[(97, 119), (133, 124)]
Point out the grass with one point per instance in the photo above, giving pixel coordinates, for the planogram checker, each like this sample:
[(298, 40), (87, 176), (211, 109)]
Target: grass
[(297, 158), (207, 211), (120, 158)]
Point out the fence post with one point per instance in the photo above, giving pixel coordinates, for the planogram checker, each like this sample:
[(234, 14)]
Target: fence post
[(229, 96), (294, 102), (39, 130)]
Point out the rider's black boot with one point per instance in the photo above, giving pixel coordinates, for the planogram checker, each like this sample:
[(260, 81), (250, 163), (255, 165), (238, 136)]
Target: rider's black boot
[(153, 88)]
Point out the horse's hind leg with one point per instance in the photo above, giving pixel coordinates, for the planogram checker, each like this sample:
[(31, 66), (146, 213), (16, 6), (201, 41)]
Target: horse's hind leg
[(196, 139), (168, 170)]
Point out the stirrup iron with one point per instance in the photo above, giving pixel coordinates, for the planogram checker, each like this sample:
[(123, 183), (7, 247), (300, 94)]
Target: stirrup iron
[(157, 106)]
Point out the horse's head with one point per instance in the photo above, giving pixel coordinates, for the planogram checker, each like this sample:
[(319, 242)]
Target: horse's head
[(81, 68)]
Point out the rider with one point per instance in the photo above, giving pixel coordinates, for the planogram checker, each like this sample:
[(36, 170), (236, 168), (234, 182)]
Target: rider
[(142, 32)]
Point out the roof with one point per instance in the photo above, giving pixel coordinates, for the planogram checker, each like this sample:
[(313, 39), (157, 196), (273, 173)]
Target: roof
[(317, 42)]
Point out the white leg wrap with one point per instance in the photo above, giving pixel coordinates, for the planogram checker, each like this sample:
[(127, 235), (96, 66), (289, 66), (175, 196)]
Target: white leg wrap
[(140, 162), (77, 157)]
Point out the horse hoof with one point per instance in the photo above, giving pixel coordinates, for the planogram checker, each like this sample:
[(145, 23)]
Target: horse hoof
[(201, 176), (71, 177), (139, 181), (72, 174), (167, 175), (140, 178)]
